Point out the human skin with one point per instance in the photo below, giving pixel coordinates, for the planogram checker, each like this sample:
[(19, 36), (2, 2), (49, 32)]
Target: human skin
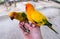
[(35, 32)]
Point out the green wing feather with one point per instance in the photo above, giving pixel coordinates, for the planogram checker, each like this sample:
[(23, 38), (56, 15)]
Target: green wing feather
[(24, 16)]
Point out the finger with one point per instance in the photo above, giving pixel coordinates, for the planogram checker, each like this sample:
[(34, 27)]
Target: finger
[(30, 22), (23, 28), (20, 27), (21, 23), (28, 26), (33, 25)]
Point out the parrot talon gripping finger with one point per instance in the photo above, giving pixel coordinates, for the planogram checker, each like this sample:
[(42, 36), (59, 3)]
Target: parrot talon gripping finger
[(25, 29)]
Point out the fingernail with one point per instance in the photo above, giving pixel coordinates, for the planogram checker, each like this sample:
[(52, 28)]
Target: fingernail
[(30, 22), (33, 25)]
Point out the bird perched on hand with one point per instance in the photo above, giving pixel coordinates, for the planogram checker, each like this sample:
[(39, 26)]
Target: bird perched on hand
[(20, 16), (37, 17)]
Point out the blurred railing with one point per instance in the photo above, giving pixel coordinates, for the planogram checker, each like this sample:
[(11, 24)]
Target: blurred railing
[(13, 1), (8, 3)]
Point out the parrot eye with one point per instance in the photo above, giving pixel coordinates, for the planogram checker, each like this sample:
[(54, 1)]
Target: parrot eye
[(11, 18)]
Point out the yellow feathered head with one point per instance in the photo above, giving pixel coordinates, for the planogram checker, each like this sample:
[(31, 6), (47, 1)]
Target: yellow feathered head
[(12, 15)]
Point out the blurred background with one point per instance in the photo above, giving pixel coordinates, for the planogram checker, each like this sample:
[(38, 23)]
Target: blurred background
[(10, 30)]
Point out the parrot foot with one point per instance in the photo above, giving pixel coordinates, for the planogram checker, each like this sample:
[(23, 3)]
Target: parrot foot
[(33, 24), (25, 29)]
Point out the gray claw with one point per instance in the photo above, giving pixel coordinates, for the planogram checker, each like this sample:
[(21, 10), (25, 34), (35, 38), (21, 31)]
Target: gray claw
[(25, 29)]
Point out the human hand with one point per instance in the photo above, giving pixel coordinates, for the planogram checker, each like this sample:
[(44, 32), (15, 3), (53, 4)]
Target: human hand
[(34, 33)]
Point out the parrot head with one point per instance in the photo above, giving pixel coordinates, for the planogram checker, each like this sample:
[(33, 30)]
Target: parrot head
[(12, 15), (29, 6)]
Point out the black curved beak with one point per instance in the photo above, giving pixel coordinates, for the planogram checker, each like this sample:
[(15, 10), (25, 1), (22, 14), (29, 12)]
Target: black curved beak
[(11, 18)]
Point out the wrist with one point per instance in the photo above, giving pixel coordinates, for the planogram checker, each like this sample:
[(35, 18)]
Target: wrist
[(36, 33)]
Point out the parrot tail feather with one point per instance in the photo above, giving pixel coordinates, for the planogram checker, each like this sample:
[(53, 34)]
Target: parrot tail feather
[(50, 26), (53, 29)]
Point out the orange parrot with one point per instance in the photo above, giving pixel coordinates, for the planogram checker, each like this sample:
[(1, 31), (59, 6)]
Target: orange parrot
[(37, 17)]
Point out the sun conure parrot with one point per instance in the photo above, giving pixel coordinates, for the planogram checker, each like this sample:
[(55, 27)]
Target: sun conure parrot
[(21, 16), (37, 17)]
